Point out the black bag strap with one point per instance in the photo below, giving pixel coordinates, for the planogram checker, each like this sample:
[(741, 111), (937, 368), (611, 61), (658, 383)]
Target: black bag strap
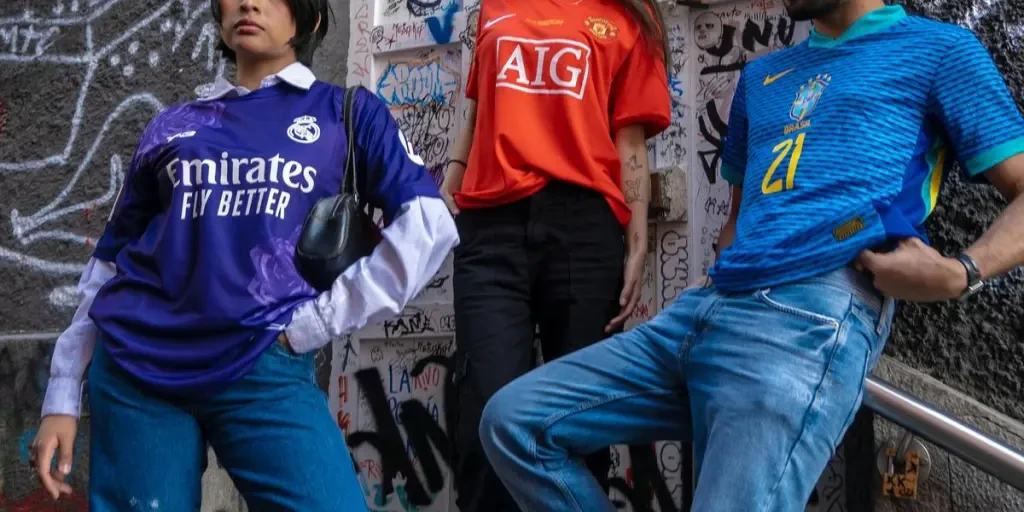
[(348, 181)]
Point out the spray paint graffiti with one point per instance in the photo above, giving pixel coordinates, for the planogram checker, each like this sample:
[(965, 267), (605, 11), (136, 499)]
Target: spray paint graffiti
[(423, 94), (3, 116), (725, 38), (441, 28), (108, 67), (645, 485), (91, 43), (424, 430), (415, 84)]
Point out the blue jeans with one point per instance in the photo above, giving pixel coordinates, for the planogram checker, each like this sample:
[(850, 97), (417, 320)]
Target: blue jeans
[(272, 431), (765, 384)]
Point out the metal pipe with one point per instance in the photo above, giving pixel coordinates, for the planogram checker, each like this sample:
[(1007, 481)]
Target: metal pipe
[(986, 453)]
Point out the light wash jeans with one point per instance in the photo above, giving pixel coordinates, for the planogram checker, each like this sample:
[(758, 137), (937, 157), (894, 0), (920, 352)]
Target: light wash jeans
[(272, 431), (765, 384)]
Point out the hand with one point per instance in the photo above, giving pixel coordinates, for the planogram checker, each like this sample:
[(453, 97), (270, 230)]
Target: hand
[(449, 199), (915, 272), (57, 432), (630, 296), (282, 338)]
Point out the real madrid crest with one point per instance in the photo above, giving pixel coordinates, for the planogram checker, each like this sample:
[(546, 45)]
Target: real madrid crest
[(602, 28), (304, 130)]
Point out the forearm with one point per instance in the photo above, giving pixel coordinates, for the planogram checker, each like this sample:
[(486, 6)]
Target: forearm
[(728, 232), (459, 153), (380, 285), (74, 347), (1001, 247), (635, 182)]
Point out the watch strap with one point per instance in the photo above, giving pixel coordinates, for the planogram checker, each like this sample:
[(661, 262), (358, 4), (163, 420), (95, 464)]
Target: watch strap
[(974, 282)]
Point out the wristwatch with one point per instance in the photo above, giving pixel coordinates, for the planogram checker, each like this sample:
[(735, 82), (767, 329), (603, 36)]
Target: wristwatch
[(974, 282)]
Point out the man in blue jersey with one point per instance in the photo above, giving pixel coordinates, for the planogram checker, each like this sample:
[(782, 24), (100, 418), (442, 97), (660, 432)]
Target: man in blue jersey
[(195, 324), (836, 151)]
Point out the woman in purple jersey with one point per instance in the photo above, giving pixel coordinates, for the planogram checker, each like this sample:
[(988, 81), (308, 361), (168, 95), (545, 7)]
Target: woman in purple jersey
[(195, 325)]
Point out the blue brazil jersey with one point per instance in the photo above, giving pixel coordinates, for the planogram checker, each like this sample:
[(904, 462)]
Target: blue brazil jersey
[(842, 144), (204, 230)]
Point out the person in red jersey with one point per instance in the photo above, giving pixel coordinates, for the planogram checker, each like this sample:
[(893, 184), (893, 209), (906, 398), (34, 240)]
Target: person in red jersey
[(550, 187)]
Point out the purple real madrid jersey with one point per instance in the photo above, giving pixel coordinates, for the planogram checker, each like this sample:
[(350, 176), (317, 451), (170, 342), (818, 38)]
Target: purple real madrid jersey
[(203, 232)]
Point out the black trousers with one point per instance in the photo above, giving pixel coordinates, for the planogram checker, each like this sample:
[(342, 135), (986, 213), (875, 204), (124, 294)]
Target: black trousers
[(552, 262)]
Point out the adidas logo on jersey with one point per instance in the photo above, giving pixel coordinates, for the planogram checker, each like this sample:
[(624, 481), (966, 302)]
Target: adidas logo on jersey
[(543, 66)]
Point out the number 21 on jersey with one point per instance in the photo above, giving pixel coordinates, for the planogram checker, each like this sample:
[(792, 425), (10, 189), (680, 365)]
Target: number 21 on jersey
[(792, 148)]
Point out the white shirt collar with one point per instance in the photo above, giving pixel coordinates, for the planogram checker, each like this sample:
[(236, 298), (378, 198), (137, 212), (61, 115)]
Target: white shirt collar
[(294, 74)]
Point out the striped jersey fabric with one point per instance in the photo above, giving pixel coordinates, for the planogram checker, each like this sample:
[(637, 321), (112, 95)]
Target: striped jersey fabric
[(842, 144)]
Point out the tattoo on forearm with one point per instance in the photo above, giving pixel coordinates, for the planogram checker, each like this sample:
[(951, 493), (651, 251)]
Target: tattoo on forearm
[(631, 188), (636, 239), (633, 163)]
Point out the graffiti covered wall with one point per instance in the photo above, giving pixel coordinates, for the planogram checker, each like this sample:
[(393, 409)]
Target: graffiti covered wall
[(78, 82), (392, 382), (80, 78)]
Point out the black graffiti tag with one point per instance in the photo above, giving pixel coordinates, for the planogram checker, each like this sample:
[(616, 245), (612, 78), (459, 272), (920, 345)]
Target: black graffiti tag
[(709, 158), (423, 433)]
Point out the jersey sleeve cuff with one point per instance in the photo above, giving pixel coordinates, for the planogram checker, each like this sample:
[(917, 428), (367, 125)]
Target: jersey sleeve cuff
[(63, 396), (732, 174), (653, 123), (306, 332), (992, 157)]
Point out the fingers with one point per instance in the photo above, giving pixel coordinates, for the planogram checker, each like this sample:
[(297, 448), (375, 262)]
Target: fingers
[(866, 258), (62, 486), (43, 458), (617, 321), (913, 242), (452, 207), (449, 201), (66, 448), (628, 300)]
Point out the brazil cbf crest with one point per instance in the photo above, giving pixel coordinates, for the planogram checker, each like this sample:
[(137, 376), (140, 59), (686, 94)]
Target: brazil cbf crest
[(304, 130), (807, 97)]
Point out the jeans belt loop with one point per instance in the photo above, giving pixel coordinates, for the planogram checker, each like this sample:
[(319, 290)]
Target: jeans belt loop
[(887, 304)]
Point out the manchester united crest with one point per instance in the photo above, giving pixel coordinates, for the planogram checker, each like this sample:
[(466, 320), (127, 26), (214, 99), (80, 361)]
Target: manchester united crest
[(602, 28)]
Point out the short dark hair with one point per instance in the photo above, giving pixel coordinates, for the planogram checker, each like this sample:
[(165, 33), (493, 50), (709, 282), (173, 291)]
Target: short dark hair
[(307, 35)]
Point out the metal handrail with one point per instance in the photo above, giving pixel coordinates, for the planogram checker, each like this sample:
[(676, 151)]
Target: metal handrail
[(981, 450)]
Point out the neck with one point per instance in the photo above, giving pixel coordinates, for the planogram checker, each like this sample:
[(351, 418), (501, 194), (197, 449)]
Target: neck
[(836, 22), (250, 72)]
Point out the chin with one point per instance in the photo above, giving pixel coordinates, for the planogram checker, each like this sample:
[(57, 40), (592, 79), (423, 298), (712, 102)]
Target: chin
[(251, 48)]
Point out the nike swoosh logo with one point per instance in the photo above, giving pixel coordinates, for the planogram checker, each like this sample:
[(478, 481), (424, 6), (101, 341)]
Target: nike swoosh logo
[(768, 80), (495, 20)]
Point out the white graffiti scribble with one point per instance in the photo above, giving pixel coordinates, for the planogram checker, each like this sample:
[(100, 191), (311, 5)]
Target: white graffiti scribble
[(34, 37)]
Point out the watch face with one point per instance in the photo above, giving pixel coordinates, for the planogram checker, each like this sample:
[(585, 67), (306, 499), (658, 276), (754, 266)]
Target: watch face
[(972, 289)]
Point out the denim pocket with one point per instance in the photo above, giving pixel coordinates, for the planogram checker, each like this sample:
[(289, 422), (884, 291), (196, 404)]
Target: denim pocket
[(813, 302), (880, 323)]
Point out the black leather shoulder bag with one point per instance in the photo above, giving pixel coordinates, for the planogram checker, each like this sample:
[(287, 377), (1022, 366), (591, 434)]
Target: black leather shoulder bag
[(338, 230)]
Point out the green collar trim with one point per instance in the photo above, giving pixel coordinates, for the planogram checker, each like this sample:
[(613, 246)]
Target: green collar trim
[(872, 22)]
